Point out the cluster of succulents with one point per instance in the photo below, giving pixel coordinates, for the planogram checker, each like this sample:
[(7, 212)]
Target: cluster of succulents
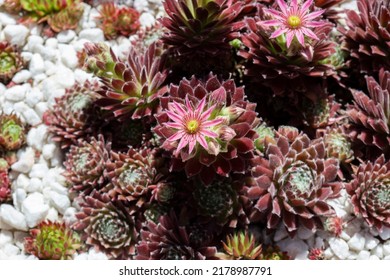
[(236, 117), (58, 14)]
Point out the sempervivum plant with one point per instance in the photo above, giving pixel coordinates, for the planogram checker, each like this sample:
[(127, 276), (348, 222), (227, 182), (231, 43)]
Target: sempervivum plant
[(240, 246), (199, 30), (85, 164), (133, 175), (72, 117), (223, 201), (59, 14), (286, 48), (107, 226), (131, 88), (11, 62), (52, 241), (370, 115), (12, 6), (12, 132), (293, 182), (208, 127), (370, 193), (170, 240), (368, 35), (116, 20)]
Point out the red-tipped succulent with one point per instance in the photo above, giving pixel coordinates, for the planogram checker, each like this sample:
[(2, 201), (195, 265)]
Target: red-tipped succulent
[(208, 127), (370, 114), (292, 184), (12, 132), (5, 185), (52, 241), (85, 164), (73, 116), (240, 246), (107, 226), (118, 20), (367, 36), (11, 62), (293, 56), (370, 193), (170, 240), (130, 88)]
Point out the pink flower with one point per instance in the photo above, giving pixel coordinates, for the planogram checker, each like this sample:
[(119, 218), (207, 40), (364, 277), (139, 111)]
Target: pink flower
[(294, 21), (191, 124)]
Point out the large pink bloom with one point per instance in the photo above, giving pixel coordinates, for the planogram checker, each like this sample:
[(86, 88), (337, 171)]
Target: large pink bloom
[(294, 21), (192, 124)]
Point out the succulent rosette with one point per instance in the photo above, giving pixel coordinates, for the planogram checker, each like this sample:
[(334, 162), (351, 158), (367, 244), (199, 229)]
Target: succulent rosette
[(133, 175), (286, 48), (52, 241), (240, 246), (118, 20), (338, 144), (170, 240), (107, 226), (293, 183), (86, 162), (367, 35), (12, 132), (370, 193), (131, 88), (11, 62), (370, 114), (73, 116), (208, 127), (59, 14), (200, 28)]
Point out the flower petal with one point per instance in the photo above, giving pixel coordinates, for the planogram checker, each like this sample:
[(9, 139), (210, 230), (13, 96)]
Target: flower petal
[(272, 22), (278, 32), (289, 38), (309, 33), (305, 7), (300, 37), (282, 5), (313, 15)]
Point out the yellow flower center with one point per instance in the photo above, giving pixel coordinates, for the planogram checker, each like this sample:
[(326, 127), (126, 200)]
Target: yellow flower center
[(294, 21), (193, 126)]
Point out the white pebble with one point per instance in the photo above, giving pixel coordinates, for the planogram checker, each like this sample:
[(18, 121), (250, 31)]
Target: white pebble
[(18, 196), (385, 233), (25, 162), (27, 56), (37, 65), (64, 77), (9, 215), (94, 35), (57, 187), (378, 251), (147, 20), (22, 76), (363, 255), (11, 250), (35, 185), (31, 117), (386, 249), (47, 53), (371, 242), (52, 215), (7, 19), (48, 151), (39, 171), (33, 42), (17, 93), (39, 78), (70, 215), (356, 242), (59, 201), (339, 247), (66, 36), (296, 248), (36, 136), (22, 181), (373, 258), (19, 237), (16, 34), (41, 108), (5, 237), (68, 56), (34, 209), (33, 97), (51, 43)]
